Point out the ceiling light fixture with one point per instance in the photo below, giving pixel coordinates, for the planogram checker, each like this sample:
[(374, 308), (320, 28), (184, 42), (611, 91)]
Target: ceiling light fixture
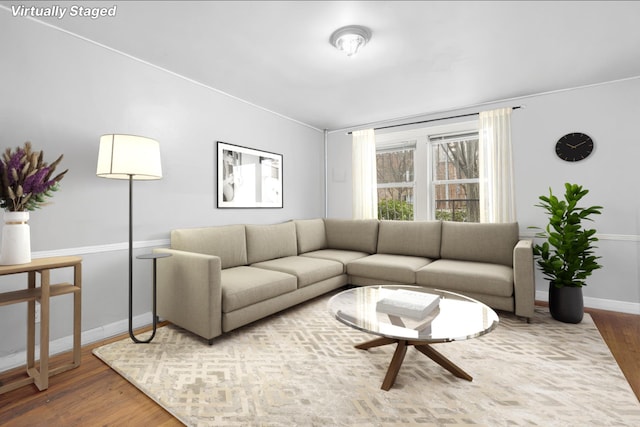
[(350, 38)]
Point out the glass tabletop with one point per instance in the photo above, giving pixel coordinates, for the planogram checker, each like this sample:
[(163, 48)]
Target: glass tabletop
[(401, 312)]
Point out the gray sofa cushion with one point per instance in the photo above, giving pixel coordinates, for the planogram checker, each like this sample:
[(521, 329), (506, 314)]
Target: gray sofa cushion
[(467, 276), (492, 243), (340, 255), (245, 286), (352, 234), (265, 242), (308, 270), (417, 238), (311, 235), (227, 242), (394, 268)]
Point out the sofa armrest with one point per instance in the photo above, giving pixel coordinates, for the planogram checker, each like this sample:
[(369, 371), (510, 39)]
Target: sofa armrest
[(523, 278), (189, 292)]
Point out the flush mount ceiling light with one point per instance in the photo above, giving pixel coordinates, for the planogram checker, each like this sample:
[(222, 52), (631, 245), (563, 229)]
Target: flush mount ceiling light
[(350, 38)]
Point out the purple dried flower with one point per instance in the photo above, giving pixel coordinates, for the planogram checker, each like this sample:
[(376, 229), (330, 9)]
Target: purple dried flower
[(35, 183), (15, 163), (25, 179)]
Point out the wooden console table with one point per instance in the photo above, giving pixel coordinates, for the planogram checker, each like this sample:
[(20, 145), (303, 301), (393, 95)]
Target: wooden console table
[(39, 375)]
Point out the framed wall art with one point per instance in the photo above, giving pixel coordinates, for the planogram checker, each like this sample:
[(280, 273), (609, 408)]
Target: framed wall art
[(248, 178)]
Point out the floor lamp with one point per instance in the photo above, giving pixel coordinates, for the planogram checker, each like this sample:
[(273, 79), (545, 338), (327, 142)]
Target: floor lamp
[(133, 158)]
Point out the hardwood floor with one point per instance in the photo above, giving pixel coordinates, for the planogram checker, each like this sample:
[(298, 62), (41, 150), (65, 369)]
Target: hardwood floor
[(621, 332), (90, 395), (94, 395)]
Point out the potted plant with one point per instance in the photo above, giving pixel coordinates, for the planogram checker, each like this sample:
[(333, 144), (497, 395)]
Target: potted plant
[(566, 257)]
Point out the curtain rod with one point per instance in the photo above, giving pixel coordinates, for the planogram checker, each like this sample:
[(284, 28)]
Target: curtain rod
[(432, 120)]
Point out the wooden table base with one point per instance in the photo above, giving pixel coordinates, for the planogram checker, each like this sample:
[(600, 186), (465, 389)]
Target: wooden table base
[(401, 351)]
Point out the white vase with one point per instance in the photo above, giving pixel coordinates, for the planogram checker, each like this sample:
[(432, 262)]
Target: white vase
[(16, 239)]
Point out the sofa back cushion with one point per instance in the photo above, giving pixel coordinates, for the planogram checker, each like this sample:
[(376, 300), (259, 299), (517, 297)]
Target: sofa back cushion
[(493, 243), (265, 242), (417, 238), (311, 235), (228, 242), (352, 234)]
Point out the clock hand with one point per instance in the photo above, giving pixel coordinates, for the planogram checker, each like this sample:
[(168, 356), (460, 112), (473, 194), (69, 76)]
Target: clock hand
[(577, 145)]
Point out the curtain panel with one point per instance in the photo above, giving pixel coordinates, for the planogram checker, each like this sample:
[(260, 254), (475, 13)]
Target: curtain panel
[(363, 159), (497, 190)]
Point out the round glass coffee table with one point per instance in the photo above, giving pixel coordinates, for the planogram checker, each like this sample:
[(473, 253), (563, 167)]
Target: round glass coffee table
[(412, 316)]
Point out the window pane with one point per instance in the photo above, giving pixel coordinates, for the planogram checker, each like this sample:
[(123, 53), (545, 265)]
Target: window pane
[(395, 183), (457, 202), (455, 177), (395, 166), (456, 160), (395, 203)]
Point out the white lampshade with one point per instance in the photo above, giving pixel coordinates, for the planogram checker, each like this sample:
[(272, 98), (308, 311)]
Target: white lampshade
[(124, 156)]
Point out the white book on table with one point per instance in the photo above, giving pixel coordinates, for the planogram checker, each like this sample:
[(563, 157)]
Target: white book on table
[(406, 303)]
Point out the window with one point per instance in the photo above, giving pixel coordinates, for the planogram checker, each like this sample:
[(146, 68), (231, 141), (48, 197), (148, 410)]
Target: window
[(396, 181), (455, 187), (429, 173)]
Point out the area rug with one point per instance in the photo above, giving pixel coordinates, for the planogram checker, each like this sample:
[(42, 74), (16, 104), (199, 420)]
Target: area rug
[(299, 368)]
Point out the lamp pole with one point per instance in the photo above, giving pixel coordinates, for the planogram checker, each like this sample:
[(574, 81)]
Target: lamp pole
[(153, 334)]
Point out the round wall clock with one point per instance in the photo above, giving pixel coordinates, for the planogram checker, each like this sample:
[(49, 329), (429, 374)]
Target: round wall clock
[(574, 147)]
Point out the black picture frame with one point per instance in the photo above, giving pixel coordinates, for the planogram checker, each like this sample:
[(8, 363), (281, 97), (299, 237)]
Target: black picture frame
[(248, 178)]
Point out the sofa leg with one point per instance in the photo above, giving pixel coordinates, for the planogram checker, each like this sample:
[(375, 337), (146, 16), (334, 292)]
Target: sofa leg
[(210, 341), (526, 319)]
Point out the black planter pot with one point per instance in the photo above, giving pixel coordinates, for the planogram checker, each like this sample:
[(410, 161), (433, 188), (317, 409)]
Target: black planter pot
[(566, 304)]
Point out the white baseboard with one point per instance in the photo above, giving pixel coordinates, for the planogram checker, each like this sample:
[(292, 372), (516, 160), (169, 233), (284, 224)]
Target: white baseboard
[(600, 303), (64, 344)]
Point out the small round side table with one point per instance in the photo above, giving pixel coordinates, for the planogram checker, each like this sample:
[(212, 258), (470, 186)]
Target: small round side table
[(154, 257)]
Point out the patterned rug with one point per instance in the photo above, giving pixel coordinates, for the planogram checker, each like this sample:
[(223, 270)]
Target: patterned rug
[(299, 368)]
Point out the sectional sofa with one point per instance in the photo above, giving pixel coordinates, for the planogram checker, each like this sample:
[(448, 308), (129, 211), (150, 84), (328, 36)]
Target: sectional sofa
[(223, 277)]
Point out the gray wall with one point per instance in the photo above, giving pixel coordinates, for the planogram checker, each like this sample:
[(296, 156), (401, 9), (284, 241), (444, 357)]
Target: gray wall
[(62, 93), (609, 114)]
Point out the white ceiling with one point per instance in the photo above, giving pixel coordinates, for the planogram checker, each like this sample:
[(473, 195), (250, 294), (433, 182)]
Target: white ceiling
[(424, 56)]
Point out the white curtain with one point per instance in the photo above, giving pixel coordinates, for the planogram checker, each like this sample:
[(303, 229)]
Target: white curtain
[(497, 194), (363, 160)]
